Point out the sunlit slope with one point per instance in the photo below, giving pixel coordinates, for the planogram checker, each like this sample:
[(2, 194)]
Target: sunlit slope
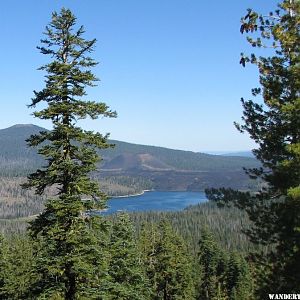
[(16, 158)]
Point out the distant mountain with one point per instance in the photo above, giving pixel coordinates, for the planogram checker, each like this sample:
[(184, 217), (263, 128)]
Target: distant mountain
[(166, 167), (16, 158), (132, 161), (179, 159), (239, 153)]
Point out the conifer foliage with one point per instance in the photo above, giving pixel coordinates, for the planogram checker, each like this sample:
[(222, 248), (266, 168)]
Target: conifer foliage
[(16, 260), (66, 240), (275, 127), (128, 279), (167, 262), (212, 264), (224, 275)]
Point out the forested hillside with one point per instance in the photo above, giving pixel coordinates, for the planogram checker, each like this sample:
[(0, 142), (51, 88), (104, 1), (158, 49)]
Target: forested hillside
[(162, 168), (16, 153), (182, 160), (150, 257), (16, 158)]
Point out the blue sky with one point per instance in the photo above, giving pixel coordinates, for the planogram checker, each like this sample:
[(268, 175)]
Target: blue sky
[(169, 68)]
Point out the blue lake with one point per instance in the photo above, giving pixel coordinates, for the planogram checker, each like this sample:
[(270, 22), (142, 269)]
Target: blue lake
[(156, 201)]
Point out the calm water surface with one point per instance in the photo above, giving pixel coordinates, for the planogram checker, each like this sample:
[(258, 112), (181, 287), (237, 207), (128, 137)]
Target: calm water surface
[(158, 201)]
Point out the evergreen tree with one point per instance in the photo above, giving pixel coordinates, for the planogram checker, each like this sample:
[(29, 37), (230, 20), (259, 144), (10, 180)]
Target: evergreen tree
[(68, 253), (275, 127), (127, 276), (167, 262), (16, 260), (212, 263), (239, 282), (225, 275)]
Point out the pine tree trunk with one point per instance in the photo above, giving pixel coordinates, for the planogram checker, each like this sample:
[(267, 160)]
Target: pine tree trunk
[(71, 284)]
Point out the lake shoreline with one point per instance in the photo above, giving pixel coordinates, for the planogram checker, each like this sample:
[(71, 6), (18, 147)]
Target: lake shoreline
[(144, 191), (131, 195)]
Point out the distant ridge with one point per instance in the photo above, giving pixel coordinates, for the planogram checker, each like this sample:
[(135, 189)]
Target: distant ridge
[(168, 169), (124, 156), (240, 153), (21, 129), (16, 158), (180, 159), (21, 125), (129, 161)]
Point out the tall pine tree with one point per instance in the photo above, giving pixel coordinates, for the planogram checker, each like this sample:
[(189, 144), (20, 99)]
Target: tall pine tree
[(275, 127), (65, 233), (239, 281), (212, 264), (128, 279), (167, 262), (224, 275)]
